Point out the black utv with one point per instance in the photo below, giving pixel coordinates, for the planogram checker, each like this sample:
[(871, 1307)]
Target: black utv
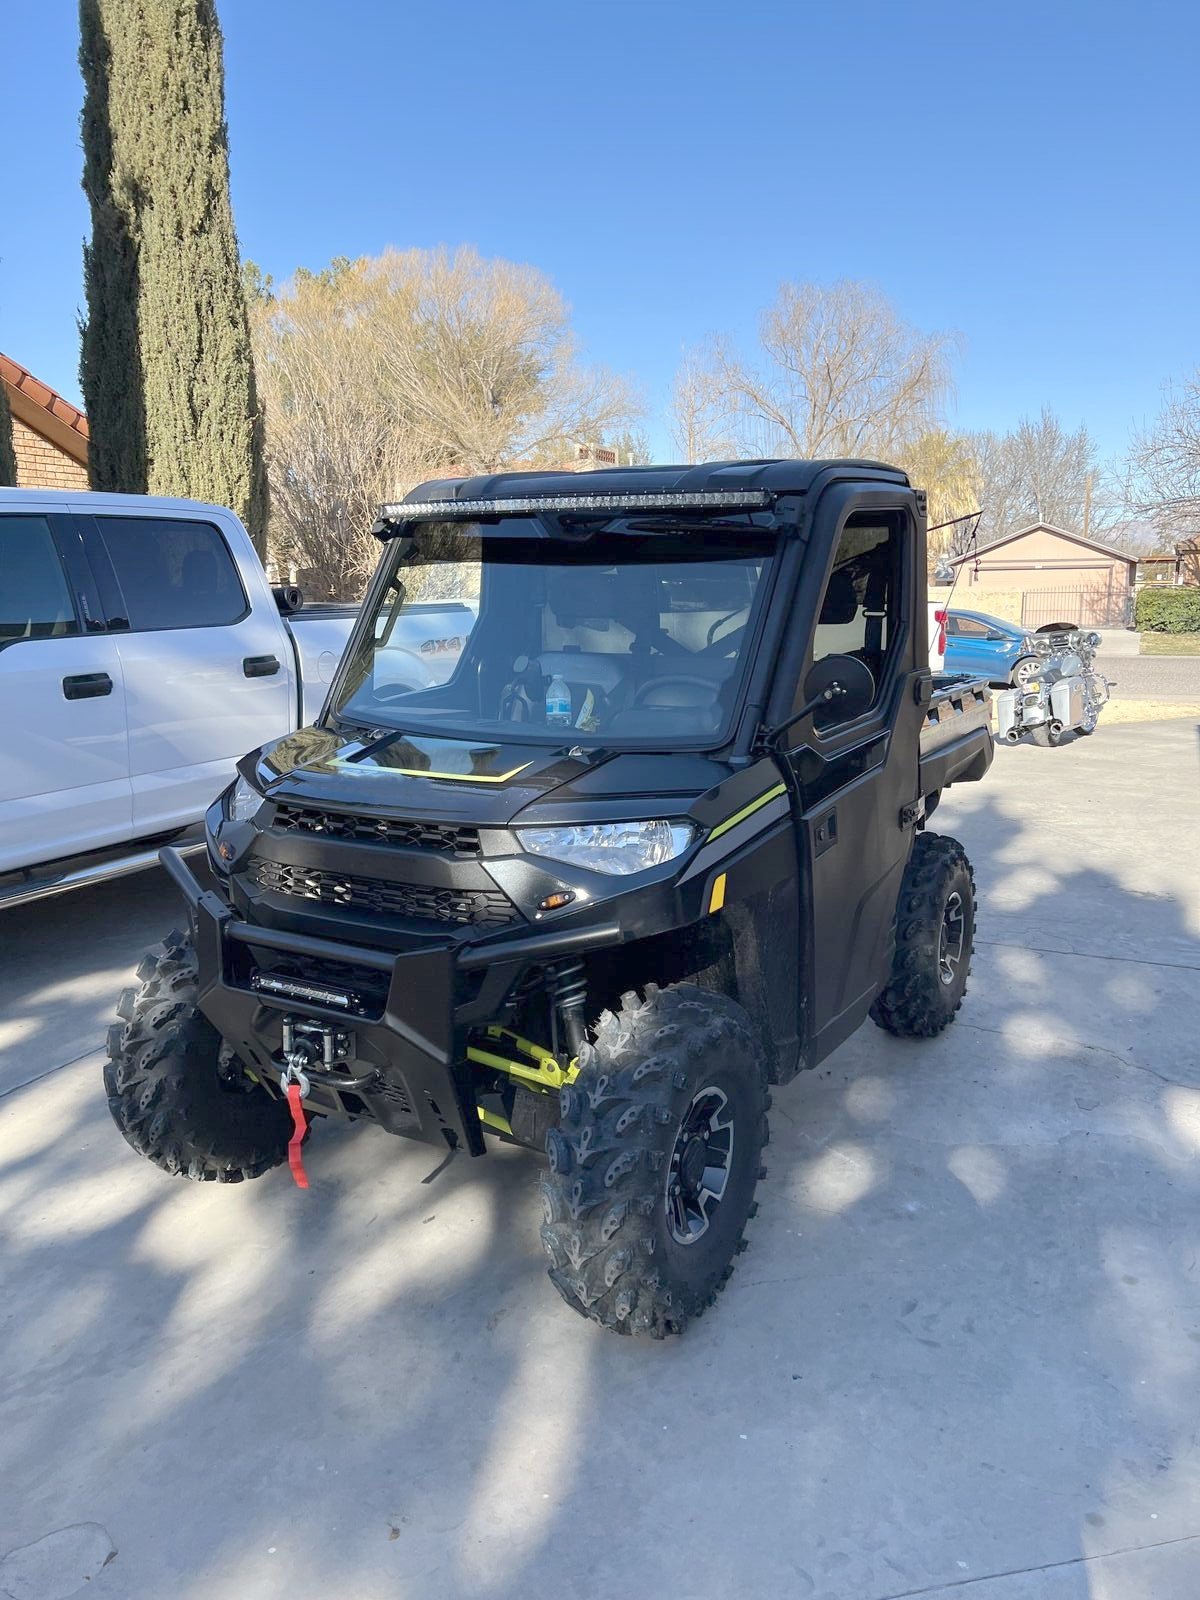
[(613, 818)]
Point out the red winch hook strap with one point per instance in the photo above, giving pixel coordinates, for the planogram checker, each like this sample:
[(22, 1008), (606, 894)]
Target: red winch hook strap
[(295, 1096)]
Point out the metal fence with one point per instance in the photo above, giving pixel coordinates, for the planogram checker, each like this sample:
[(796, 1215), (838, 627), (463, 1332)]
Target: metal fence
[(1082, 607)]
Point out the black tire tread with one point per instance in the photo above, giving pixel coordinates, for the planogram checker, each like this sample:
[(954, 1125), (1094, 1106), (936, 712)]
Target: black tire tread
[(914, 1003), (162, 1084), (609, 1155)]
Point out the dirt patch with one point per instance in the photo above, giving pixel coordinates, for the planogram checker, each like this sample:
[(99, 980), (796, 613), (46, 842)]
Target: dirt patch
[(1149, 711)]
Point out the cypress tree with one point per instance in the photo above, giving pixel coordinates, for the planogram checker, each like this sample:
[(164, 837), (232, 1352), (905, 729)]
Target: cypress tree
[(8, 459), (166, 366)]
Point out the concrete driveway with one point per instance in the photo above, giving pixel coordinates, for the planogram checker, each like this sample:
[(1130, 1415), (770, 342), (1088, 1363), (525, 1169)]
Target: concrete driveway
[(960, 1361)]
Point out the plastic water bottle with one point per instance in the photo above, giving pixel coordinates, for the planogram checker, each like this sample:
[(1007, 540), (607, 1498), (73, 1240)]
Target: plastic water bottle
[(558, 703)]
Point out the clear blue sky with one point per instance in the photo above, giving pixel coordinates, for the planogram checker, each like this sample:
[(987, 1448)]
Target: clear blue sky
[(1022, 173)]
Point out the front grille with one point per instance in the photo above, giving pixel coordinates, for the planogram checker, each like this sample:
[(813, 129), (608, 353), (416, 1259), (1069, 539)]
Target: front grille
[(481, 908), (408, 835)]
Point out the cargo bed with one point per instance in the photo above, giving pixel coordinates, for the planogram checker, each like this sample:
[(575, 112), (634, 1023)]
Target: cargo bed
[(956, 739)]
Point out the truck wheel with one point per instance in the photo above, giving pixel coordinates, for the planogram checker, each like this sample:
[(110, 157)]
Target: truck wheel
[(171, 1093), (935, 939), (655, 1161)]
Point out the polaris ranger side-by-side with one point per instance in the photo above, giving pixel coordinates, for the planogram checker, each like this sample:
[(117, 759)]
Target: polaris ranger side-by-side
[(655, 844)]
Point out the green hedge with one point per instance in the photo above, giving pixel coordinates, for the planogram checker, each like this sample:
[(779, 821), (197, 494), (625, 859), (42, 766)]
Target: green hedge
[(1167, 611)]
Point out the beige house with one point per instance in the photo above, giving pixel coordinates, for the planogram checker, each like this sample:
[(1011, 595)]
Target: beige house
[(1045, 574), (50, 435)]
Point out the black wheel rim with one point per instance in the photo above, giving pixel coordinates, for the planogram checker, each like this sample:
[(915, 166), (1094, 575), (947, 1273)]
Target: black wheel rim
[(952, 938), (701, 1162)]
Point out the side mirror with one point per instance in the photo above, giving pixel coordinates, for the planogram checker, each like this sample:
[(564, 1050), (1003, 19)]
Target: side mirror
[(844, 684), (841, 686)]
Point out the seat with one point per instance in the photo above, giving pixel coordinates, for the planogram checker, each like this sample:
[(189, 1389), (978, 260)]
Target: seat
[(606, 677), (839, 629)]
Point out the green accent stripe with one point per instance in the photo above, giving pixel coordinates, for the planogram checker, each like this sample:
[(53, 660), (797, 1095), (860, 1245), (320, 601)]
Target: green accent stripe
[(746, 811)]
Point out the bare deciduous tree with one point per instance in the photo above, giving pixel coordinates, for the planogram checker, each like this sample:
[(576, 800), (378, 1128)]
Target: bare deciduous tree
[(840, 374), (481, 360), (380, 372), (334, 449), (700, 425), (1165, 465), (1040, 472)]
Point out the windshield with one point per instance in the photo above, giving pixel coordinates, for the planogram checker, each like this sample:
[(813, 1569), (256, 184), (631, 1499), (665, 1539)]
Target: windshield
[(521, 630)]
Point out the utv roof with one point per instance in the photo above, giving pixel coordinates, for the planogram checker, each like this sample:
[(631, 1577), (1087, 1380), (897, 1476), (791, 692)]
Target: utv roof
[(728, 483)]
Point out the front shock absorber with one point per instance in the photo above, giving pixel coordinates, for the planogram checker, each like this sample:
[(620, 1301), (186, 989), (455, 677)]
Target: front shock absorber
[(567, 987)]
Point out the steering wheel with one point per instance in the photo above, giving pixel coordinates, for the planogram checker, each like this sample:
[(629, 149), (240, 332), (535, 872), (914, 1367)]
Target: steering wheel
[(693, 681)]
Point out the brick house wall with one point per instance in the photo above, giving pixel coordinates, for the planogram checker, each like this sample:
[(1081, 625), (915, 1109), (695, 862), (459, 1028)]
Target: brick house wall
[(42, 465), (50, 435)]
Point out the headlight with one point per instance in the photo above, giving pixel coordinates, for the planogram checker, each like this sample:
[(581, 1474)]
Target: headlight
[(613, 847), (242, 801)]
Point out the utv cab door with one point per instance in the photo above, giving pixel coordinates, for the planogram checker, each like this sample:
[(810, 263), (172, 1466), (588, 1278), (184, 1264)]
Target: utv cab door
[(855, 777)]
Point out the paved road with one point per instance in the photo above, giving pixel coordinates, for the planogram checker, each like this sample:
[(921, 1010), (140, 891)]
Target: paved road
[(1163, 678), (961, 1359)]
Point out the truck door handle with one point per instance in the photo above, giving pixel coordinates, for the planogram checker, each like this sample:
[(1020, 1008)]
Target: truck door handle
[(87, 686), (260, 666)]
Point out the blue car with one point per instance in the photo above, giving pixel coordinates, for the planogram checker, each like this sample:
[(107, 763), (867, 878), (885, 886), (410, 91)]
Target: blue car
[(988, 647)]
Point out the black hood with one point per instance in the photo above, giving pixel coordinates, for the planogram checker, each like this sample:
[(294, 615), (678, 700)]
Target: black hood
[(465, 780)]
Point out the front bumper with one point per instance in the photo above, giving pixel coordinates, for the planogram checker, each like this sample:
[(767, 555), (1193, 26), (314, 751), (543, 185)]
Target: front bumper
[(408, 1013)]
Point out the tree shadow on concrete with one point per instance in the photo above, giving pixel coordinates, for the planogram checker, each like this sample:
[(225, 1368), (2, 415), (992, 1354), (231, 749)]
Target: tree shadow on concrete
[(65, 960), (965, 1341)]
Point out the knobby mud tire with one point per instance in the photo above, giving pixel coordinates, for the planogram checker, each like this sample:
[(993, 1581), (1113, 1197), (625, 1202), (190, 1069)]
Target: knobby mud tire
[(166, 1092), (613, 1254), (916, 1003)]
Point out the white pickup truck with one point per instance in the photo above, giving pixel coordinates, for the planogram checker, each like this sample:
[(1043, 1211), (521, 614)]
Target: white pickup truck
[(142, 653)]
